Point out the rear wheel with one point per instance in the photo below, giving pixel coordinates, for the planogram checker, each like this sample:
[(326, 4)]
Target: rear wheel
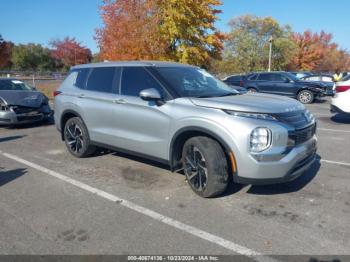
[(306, 97), (205, 166), (251, 90), (77, 138)]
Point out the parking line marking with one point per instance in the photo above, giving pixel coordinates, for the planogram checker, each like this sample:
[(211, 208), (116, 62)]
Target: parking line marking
[(333, 130), (335, 162), (148, 212)]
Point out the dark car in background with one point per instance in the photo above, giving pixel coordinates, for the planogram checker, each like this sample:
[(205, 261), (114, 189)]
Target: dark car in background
[(286, 84), (21, 104), (236, 82)]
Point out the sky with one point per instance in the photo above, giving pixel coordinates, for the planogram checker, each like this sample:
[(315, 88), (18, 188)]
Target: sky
[(40, 21)]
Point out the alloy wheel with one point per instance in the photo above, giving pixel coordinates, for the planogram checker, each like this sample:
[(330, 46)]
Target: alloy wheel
[(195, 169), (74, 137)]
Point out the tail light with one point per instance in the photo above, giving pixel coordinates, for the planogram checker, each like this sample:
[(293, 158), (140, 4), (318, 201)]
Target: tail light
[(340, 89), (241, 83), (56, 93)]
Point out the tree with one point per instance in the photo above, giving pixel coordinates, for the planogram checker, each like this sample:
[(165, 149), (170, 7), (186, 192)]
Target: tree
[(32, 57), (317, 52), (179, 30), (188, 31), (247, 45), (5, 53), (69, 52), (129, 30)]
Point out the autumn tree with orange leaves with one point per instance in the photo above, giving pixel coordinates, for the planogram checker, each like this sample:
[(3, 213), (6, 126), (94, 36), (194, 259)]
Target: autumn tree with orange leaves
[(317, 52), (69, 52), (177, 30)]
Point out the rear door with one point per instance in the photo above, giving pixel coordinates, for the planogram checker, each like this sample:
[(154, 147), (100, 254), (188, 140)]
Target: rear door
[(264, 83), (141, 126), (96, 102)]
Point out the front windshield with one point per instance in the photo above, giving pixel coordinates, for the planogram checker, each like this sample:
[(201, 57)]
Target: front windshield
[(292, 77), (194, 82), (14, 85)]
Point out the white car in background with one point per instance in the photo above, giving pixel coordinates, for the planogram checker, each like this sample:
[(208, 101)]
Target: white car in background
[(341, 100)]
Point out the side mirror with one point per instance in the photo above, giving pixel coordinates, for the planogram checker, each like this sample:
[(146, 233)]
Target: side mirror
[(150, 94), (287, 80), (33, 88)]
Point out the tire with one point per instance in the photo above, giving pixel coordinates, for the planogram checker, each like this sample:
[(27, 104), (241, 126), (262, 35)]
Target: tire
[(77, 138), (251, 90), (205, 166), (306, 97)]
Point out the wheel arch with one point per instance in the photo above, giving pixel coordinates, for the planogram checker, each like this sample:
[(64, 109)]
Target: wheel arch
[(182, 135), (65, 116)]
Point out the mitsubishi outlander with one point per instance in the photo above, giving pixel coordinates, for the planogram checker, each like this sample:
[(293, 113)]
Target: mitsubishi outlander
[(183, 116)]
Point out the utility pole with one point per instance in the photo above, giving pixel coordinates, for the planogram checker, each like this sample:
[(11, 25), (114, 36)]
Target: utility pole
[(270, 53)]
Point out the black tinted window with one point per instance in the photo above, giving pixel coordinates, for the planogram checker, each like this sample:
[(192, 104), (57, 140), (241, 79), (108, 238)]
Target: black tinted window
[(135, 79), (252, 77), (265, 77), (101, 80), (81, 77), (278, 77), (234, 78), (5, 85)]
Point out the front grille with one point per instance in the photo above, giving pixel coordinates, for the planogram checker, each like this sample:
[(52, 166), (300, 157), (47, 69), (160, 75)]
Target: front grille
[(30, 118), (23, 109), (302, 135)]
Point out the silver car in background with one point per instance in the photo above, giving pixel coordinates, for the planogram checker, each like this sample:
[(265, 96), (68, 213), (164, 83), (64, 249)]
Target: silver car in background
[(182, 116)]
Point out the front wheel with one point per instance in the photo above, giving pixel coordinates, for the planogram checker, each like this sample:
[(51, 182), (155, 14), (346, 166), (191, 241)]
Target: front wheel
[(306, 97), (77, 138), (205, 166)]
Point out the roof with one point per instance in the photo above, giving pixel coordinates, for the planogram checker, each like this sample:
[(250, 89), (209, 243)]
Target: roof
[(133, 63)]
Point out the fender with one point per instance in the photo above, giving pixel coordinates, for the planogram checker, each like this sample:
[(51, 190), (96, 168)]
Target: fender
[(172, 161)]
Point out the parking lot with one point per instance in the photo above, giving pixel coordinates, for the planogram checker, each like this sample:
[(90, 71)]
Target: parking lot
[(53, 203)]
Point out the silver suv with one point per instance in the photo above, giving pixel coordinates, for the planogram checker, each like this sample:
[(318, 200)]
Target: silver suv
[(183, 116)]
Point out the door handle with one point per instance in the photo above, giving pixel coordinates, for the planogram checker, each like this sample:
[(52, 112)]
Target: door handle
[(119, 101), (81, 96)]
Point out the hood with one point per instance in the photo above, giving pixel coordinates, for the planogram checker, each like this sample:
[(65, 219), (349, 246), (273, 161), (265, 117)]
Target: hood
[(22, 98), (256, 102)]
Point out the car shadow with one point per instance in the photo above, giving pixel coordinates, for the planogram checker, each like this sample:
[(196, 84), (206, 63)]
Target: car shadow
[(10, 175), (292, 186), (9, 138), (341, 119)]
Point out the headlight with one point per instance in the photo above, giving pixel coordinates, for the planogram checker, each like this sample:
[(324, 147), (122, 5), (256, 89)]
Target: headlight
[(251, 115), (3, 105), (260, 139)]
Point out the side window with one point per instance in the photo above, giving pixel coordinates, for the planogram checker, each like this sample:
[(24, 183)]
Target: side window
[(81, 77), (278, 77), (135, 79), (101, 79), (252, 77), (313, 78), (234, 78), (264, 77)]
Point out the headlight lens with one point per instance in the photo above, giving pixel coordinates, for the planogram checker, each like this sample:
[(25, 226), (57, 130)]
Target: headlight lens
[(3, 106), (260, 139), (251, 115)]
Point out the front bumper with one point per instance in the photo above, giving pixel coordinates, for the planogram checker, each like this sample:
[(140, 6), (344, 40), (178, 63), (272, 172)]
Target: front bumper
[(10, 118), (291, 166)]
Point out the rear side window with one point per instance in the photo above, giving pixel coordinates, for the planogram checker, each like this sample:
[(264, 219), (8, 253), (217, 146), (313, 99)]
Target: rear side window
[(81, 77), (252, 77), (136, 79), (101, 79), (265, 77), (234, 78)]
